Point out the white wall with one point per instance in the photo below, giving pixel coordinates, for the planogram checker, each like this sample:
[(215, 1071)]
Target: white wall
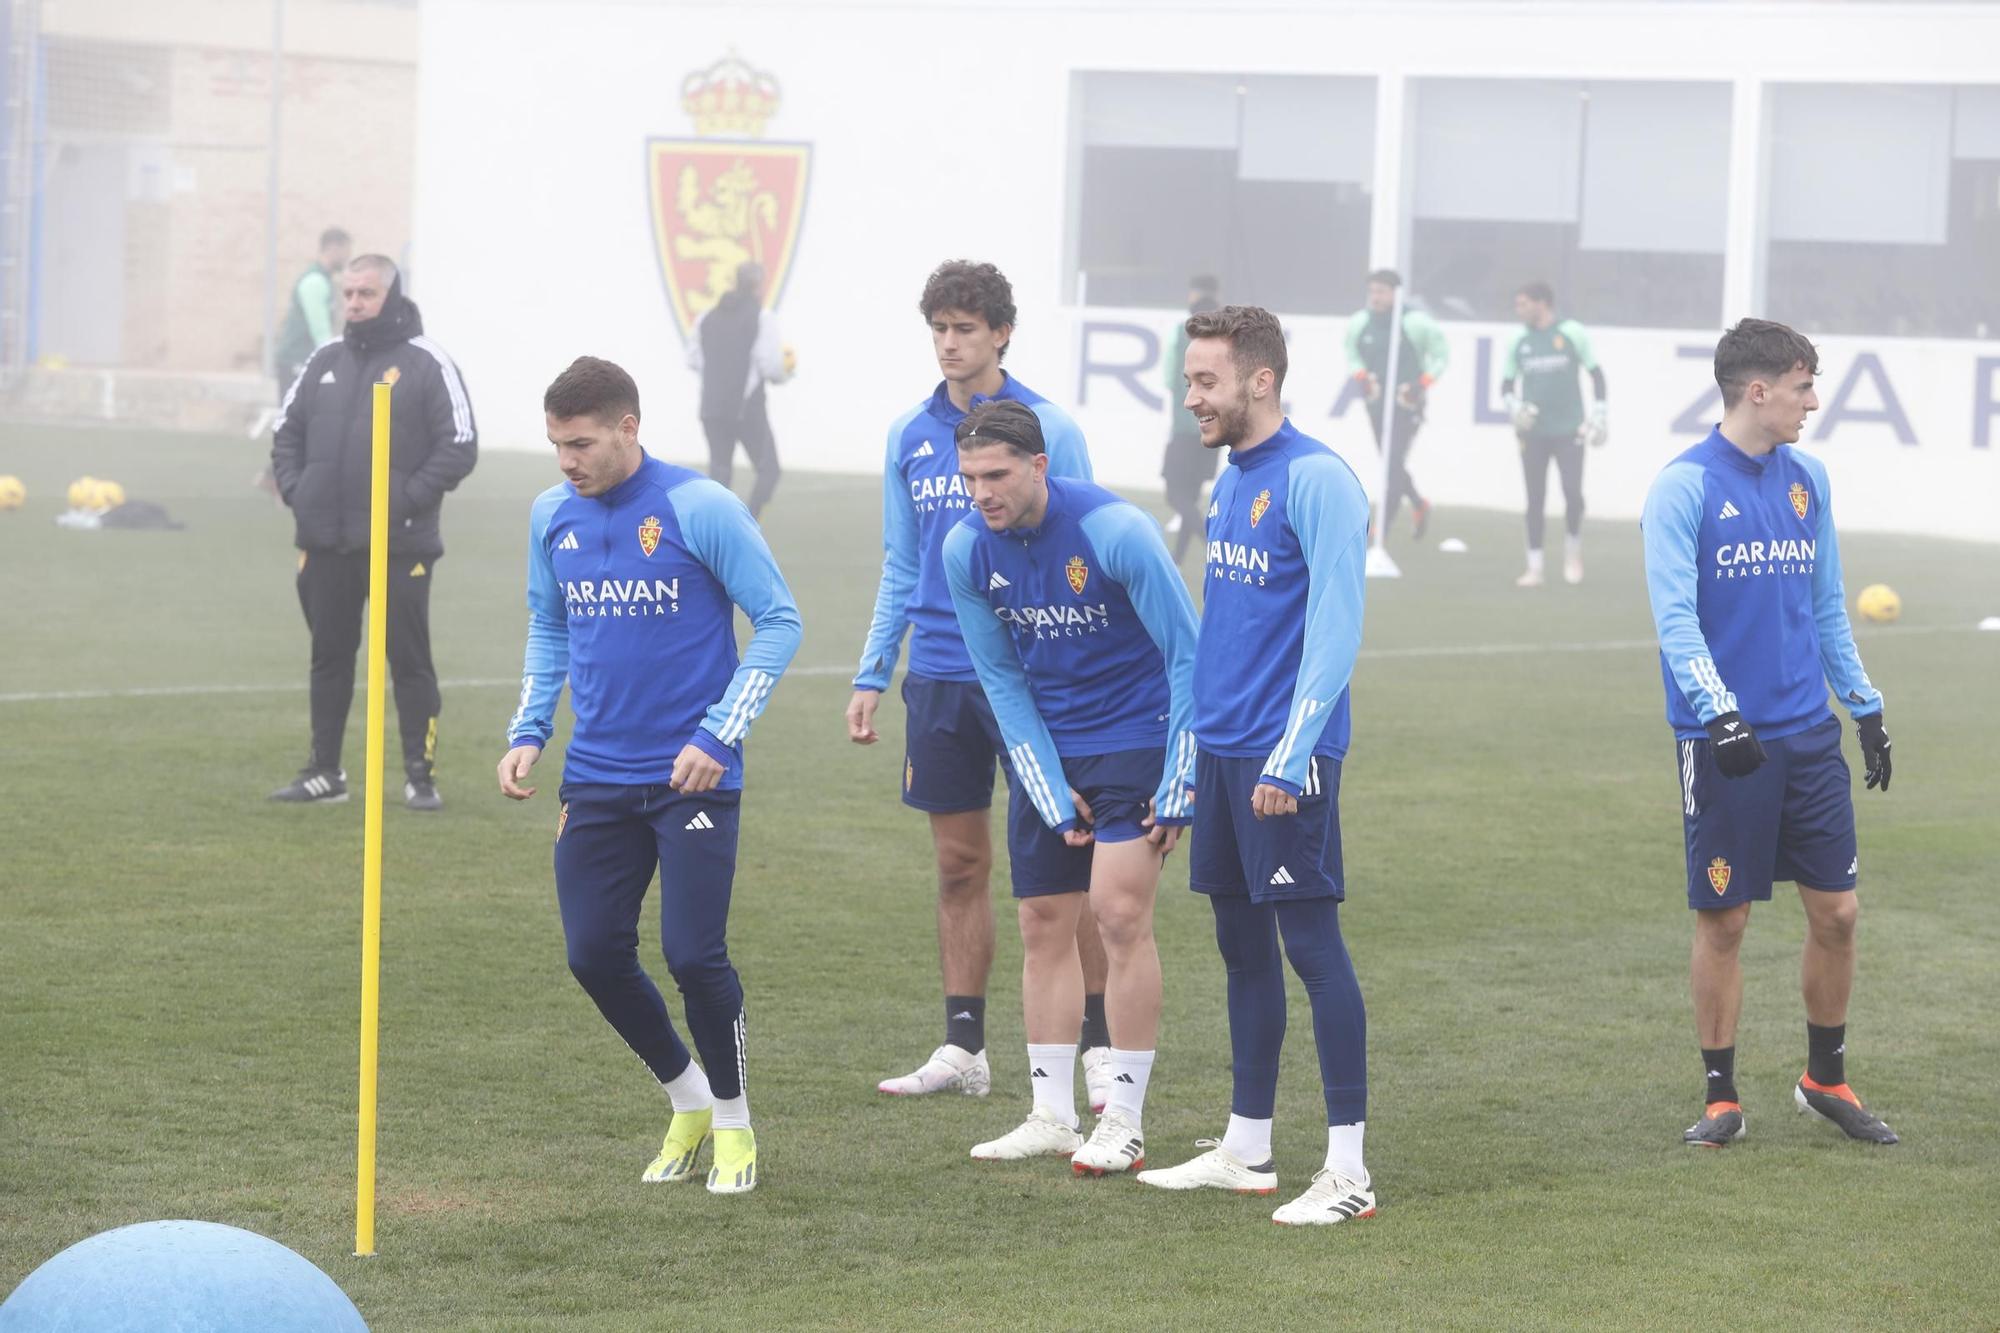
[(941, 131)]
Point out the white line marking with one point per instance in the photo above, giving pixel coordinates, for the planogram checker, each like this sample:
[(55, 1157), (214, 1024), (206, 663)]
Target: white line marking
[(514, 682)]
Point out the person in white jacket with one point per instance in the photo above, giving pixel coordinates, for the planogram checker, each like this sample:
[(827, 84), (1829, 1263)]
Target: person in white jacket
[(737, 349)]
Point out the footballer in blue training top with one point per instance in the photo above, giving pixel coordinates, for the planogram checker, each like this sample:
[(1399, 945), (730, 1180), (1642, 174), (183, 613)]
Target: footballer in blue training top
[(1743, 569), (1083, 635), (635, 571), (1281, 627), (951, 740)]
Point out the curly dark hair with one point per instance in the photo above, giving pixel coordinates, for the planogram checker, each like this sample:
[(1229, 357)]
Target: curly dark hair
[(594, 387), (1256, 339), (1759, 349), (960, 284)]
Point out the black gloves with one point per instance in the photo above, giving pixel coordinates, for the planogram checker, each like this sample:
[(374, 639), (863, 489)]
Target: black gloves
[(1737, 750), (1874, 749)]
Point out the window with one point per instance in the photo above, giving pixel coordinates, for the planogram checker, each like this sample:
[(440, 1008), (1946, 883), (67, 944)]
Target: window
[(1884, 213), (1261, 180), (1615, 193)]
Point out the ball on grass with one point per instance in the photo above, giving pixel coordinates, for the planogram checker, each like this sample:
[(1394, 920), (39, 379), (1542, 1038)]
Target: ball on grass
[(180, 1274), (1878, 603), (83, 493), (12, 493)]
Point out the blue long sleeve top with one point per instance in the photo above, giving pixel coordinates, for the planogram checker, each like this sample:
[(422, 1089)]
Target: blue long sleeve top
[(1281, 613), (922, 497), (1083, 637), (632, 597), (1743, 570)]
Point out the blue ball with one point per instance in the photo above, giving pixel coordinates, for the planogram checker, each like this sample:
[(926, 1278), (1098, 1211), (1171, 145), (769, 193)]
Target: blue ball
[(165, 1277)]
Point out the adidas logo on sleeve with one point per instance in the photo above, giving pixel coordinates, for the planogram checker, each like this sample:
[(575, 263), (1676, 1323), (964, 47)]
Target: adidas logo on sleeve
[(1729, 510), (997, 582), (923, 450), (568, 543)]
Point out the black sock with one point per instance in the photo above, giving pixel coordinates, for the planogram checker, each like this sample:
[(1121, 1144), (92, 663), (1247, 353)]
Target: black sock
[(1721, 1066), (1095, 1031), (1826, 1054), (965, 1022)]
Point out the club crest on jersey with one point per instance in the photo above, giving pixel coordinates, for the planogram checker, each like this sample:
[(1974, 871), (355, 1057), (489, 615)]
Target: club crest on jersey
[(1259, 505), (1559, 346), (1078, 574), (1800, 498), (649, 534), (391, 375), (1718, 876)]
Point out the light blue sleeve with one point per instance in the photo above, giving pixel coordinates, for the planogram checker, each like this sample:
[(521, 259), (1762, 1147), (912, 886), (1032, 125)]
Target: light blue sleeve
[(900, 563), (1329, 512), (1837, 654), (1063, 438), (545, 664), (1030, 748), (1671, 525), (721, 534), (1129, 544)]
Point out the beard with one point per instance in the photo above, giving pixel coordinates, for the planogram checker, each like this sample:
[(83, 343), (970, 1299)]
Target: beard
[(1232, 424)]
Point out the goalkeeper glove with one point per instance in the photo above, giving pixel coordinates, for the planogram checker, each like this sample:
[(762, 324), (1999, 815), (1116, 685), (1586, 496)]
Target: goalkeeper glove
[(1874, 750), (1523, 414), (1735, 746), (1595, 430)]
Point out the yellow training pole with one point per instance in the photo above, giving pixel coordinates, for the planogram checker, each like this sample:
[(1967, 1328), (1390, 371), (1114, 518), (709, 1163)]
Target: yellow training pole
[(371, 826)]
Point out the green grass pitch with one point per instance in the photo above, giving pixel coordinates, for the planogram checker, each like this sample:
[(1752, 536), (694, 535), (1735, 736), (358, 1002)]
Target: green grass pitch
[(179, 965)]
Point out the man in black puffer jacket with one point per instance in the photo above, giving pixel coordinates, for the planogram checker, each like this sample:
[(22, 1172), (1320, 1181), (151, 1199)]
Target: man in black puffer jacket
[(321, 457)]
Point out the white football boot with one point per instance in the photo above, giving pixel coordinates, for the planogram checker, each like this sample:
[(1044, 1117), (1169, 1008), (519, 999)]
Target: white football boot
[(1218, 1168), (1040, 1135), (1115, 1145), (1332, 1198), (950, 1069)]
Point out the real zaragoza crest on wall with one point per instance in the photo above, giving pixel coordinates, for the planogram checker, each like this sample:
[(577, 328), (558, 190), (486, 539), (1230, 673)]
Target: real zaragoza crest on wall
[(727, 197)]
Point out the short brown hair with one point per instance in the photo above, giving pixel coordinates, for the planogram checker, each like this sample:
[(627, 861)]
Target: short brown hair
[(1758, 349), (1256, 338), (593, 387), (1003, 421)]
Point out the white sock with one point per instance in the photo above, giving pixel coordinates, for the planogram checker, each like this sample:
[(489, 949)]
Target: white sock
[(1534, 562), (1343, 1150), (732, 1112), (688, 1090), (1573, 546), (1052, 1075), (1248, 1141), (1130, 1071)]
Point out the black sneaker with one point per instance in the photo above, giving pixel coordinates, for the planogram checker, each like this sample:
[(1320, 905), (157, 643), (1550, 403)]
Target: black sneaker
[(1839, 1105), (314, 786), (422, 794), (1721, 1124)]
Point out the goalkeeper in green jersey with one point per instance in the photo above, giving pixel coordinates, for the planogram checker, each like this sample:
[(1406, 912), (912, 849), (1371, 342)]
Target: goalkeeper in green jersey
[(1545, 398)]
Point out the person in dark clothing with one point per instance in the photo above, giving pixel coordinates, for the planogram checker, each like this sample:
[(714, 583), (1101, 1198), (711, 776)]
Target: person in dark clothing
[(737, 349), (321, 455), (1421, 355), (1187, 466)]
